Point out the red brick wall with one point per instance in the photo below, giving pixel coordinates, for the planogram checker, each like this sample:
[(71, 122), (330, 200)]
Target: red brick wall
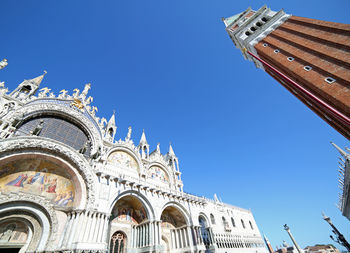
[(325, 46)]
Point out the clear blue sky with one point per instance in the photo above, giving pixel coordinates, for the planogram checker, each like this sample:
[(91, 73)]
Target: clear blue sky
[(169, 67)]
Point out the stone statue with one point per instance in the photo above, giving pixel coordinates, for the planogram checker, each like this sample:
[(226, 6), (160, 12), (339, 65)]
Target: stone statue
[(3, 63), (3, 91), (51, 95), (6, 108), (93, 110), (97, 154), (44, 92), (84, 148), (86, 90), (158, 148), (76, 92), (63, 94), (2, 85), (36, 131), (89, 100), (103, 122), (128, 136)]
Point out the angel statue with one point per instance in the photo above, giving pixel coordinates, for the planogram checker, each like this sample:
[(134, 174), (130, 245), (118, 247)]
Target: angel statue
[(93, 110), (128, 136), (3, 63), (86, 90), (89, 100), (63, 94), (103, 122), (76, 92), (44, 92)]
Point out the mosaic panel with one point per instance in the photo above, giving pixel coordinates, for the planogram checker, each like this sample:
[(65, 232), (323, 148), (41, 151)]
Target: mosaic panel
[(40, 177)]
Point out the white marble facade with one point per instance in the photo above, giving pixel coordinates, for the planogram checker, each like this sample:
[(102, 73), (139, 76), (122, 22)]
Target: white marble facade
[(67, 186)]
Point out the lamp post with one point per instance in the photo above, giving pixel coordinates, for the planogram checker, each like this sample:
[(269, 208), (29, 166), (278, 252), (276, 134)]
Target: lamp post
[(339, 237), (291, 237)]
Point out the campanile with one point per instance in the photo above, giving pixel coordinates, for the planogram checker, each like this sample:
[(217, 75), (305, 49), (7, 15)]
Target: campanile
[(309, 57)]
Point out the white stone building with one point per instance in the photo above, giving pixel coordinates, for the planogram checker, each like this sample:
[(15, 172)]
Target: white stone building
[(67, 186)]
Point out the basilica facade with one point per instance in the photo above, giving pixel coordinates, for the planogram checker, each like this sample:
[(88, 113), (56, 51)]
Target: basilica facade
[(66, 185)]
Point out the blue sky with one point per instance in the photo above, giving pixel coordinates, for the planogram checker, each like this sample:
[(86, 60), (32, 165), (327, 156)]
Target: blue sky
[(170, 68)]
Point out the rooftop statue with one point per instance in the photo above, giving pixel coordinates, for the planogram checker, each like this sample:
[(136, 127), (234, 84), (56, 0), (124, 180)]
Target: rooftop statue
[(3, 63)]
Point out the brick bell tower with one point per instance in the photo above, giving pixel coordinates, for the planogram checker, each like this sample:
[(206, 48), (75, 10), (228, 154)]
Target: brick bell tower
[(310, 58)]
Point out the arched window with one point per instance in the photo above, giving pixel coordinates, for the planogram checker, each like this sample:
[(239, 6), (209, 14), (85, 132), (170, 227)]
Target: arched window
[(251, 225), (204, 231), (242, 223), (58, 129), (233, 222), (118, 243), (223, 221), (212, 219)]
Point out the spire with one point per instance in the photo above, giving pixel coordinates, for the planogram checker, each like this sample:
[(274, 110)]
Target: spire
[(143, 146), (112, 120), (28, 87), (143, 140), (111, 128), (171, 151), (342, 152), (37, 80)]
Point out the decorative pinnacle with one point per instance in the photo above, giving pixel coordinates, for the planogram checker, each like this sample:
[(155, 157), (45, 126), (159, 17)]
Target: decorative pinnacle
[(326, 218), (342, 152)]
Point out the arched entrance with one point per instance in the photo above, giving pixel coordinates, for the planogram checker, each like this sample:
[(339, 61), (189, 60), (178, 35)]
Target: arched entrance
[(118, 242), (15, 235), (175, 232), (129, 220)]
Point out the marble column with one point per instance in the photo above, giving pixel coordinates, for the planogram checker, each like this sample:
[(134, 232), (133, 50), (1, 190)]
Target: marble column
[(151, 234), (97, 227), (100, 232), (105, 229), (189, 236), (92, 227), (83, 226), (185, 237), (67, 230), (87, 226), (72, 231)]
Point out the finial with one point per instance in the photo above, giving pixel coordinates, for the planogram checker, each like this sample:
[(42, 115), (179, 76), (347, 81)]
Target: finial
[(342, 152)]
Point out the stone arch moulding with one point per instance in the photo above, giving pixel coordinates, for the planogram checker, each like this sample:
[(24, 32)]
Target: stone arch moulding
[(205, 217), (34, 110), (15, 148), (129, 151), (182, 210), (28, 221), (139, 196), (163, 167), (40, 208)]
